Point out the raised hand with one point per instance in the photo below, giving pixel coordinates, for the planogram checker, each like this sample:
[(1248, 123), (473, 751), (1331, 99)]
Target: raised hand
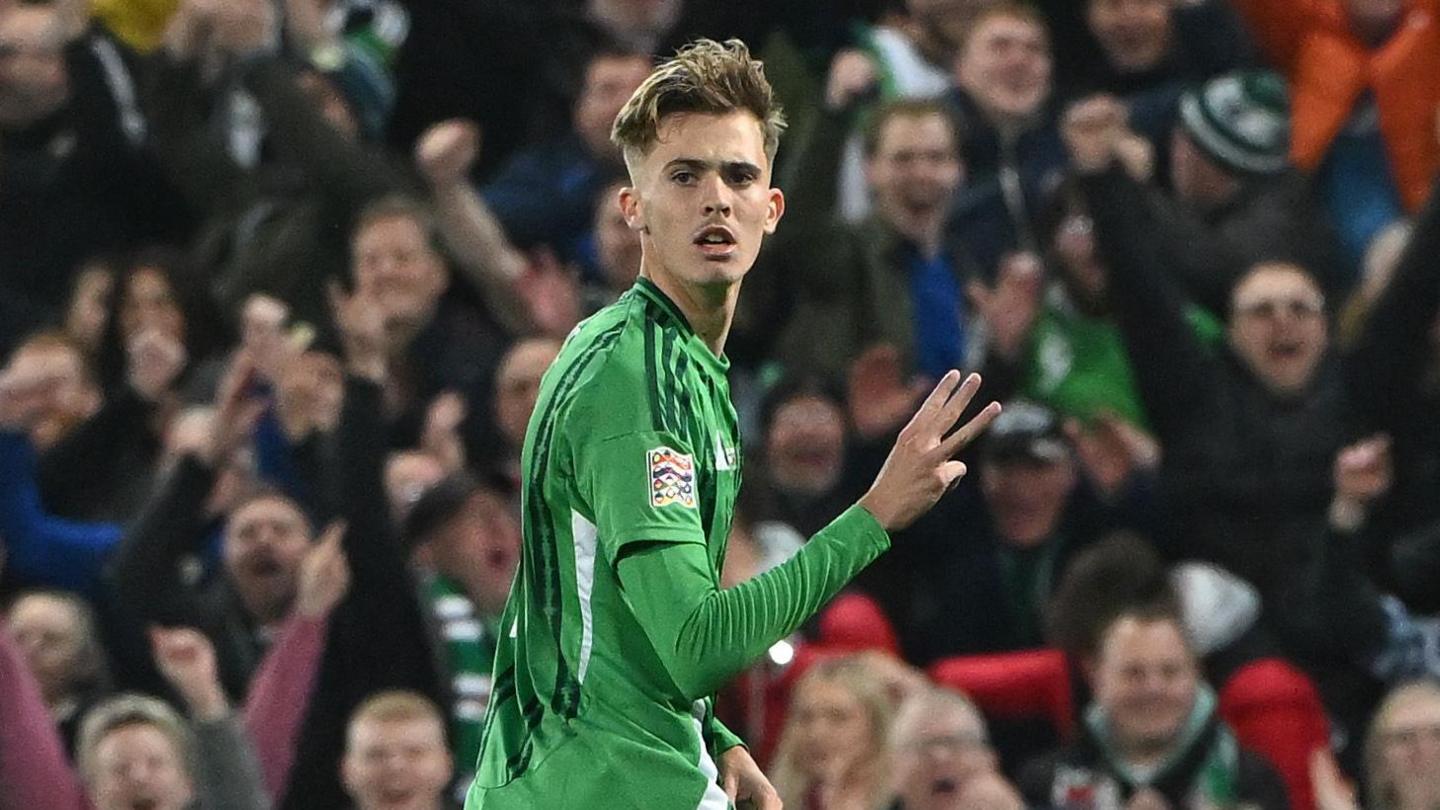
[(1011, 307), (361, 319), (324, 574), (922, 466), (552, 294), (155, 362), (187, 660), (1112, 450), (878, 397), (441, 437), (309, 394), (1363, 473), (447, 151), (1093, 130), (237, 408), (25, 392), (852, 75), (1332, 790)]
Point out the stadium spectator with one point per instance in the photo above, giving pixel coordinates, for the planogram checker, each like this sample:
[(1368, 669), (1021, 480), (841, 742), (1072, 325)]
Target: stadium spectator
[(1152, 731), (395, 754), (1366, 84), (832, 750), (942, 756), (56, 633), (1402, 748)]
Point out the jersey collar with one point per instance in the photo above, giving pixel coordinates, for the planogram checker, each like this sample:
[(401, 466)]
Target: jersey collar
[(647, 288)]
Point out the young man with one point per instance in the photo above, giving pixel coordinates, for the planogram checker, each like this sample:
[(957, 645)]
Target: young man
[(617, 633)]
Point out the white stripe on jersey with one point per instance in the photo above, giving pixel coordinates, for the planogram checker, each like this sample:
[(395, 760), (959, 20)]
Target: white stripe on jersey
[(714, 798), (585, 535)]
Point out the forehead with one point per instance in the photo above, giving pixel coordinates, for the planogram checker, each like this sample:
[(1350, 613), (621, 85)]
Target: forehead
[(263, 509), (43, 609), (29, 25), (1420, 706), (924, 131), (994, 29), (1275, 278), (717, 138), (1132, 639), (388, 228), (370, 732), (135, 739), (934, 718), (617, 69)]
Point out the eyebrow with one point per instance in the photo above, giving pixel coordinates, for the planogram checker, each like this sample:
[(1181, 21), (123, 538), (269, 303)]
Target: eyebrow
[(698, 165)]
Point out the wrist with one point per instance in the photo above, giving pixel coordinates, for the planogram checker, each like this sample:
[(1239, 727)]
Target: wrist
[(1347, 514), (208, 704)]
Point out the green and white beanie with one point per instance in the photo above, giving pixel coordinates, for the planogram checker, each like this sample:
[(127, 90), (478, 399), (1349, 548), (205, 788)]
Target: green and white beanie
[(1240, 120)]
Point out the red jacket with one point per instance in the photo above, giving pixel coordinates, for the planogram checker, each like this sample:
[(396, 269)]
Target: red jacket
[(1329, 68)]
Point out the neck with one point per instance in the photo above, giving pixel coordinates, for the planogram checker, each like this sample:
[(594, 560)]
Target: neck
[(709, 309), (926, 231)]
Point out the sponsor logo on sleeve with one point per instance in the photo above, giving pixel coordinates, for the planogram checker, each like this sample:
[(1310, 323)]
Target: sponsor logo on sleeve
[(672, 478)]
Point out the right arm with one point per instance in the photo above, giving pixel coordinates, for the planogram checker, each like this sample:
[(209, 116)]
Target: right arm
[(1173, 370), (706, 635)]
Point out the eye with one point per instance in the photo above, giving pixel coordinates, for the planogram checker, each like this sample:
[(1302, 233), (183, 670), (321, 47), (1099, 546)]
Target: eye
[(741, 177), (684, 177)]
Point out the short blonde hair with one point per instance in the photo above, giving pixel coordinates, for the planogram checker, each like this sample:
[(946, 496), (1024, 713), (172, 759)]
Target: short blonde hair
[(703, 77), (128, 710), (394, 706)]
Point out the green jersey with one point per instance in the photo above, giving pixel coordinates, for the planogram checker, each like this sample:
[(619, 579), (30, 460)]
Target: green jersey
[(616, 633)]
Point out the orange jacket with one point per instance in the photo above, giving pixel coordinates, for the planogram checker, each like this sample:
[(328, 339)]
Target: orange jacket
[(1328, 67)]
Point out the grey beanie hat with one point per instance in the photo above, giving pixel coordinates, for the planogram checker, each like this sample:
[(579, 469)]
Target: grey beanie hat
[(1241, 120)]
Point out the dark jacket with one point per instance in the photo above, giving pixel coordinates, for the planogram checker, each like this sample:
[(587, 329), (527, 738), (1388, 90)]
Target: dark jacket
[(1208, 765), (378, 637), (1246, 478)]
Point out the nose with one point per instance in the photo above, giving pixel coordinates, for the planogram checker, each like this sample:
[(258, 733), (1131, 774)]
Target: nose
[(717, 196)]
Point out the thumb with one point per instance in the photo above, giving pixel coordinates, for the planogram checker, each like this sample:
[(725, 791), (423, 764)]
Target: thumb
[(732, 785)]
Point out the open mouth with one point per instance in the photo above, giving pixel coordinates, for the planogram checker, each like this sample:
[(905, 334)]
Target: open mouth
[(715, 241), (944, 787), (144, 804), (497, 558)]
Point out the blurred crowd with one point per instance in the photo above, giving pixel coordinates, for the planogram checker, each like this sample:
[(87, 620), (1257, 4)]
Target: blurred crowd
[(279, 280)]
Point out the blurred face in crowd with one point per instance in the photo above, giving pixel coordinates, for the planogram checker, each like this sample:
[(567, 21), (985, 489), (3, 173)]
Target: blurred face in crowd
[(914, 171), (1135, 34), (480, 548), (610, 79), (702, 202), (90, 306), (805, 445), (1278, 326), (517, 385), (1145, 679), (1005, 66), (265, 540), (52, 634), (940, 747), (1405, 749), (34, 81), (1027, 497), (149, 303), (396, 764), (312, 384), (618, 246), (1198, 181), (75, 396), (138, 766), (832, 731), (395, 261)]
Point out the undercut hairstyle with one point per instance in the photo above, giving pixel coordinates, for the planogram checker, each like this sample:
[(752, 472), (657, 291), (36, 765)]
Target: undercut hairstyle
[(129, 710), (911, 108), (703, 77)]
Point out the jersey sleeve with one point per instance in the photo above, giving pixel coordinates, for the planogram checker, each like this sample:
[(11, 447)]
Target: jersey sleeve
[(641, 487)]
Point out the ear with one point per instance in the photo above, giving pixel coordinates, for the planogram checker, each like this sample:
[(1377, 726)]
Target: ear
[(630, 209), (775, 211)]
